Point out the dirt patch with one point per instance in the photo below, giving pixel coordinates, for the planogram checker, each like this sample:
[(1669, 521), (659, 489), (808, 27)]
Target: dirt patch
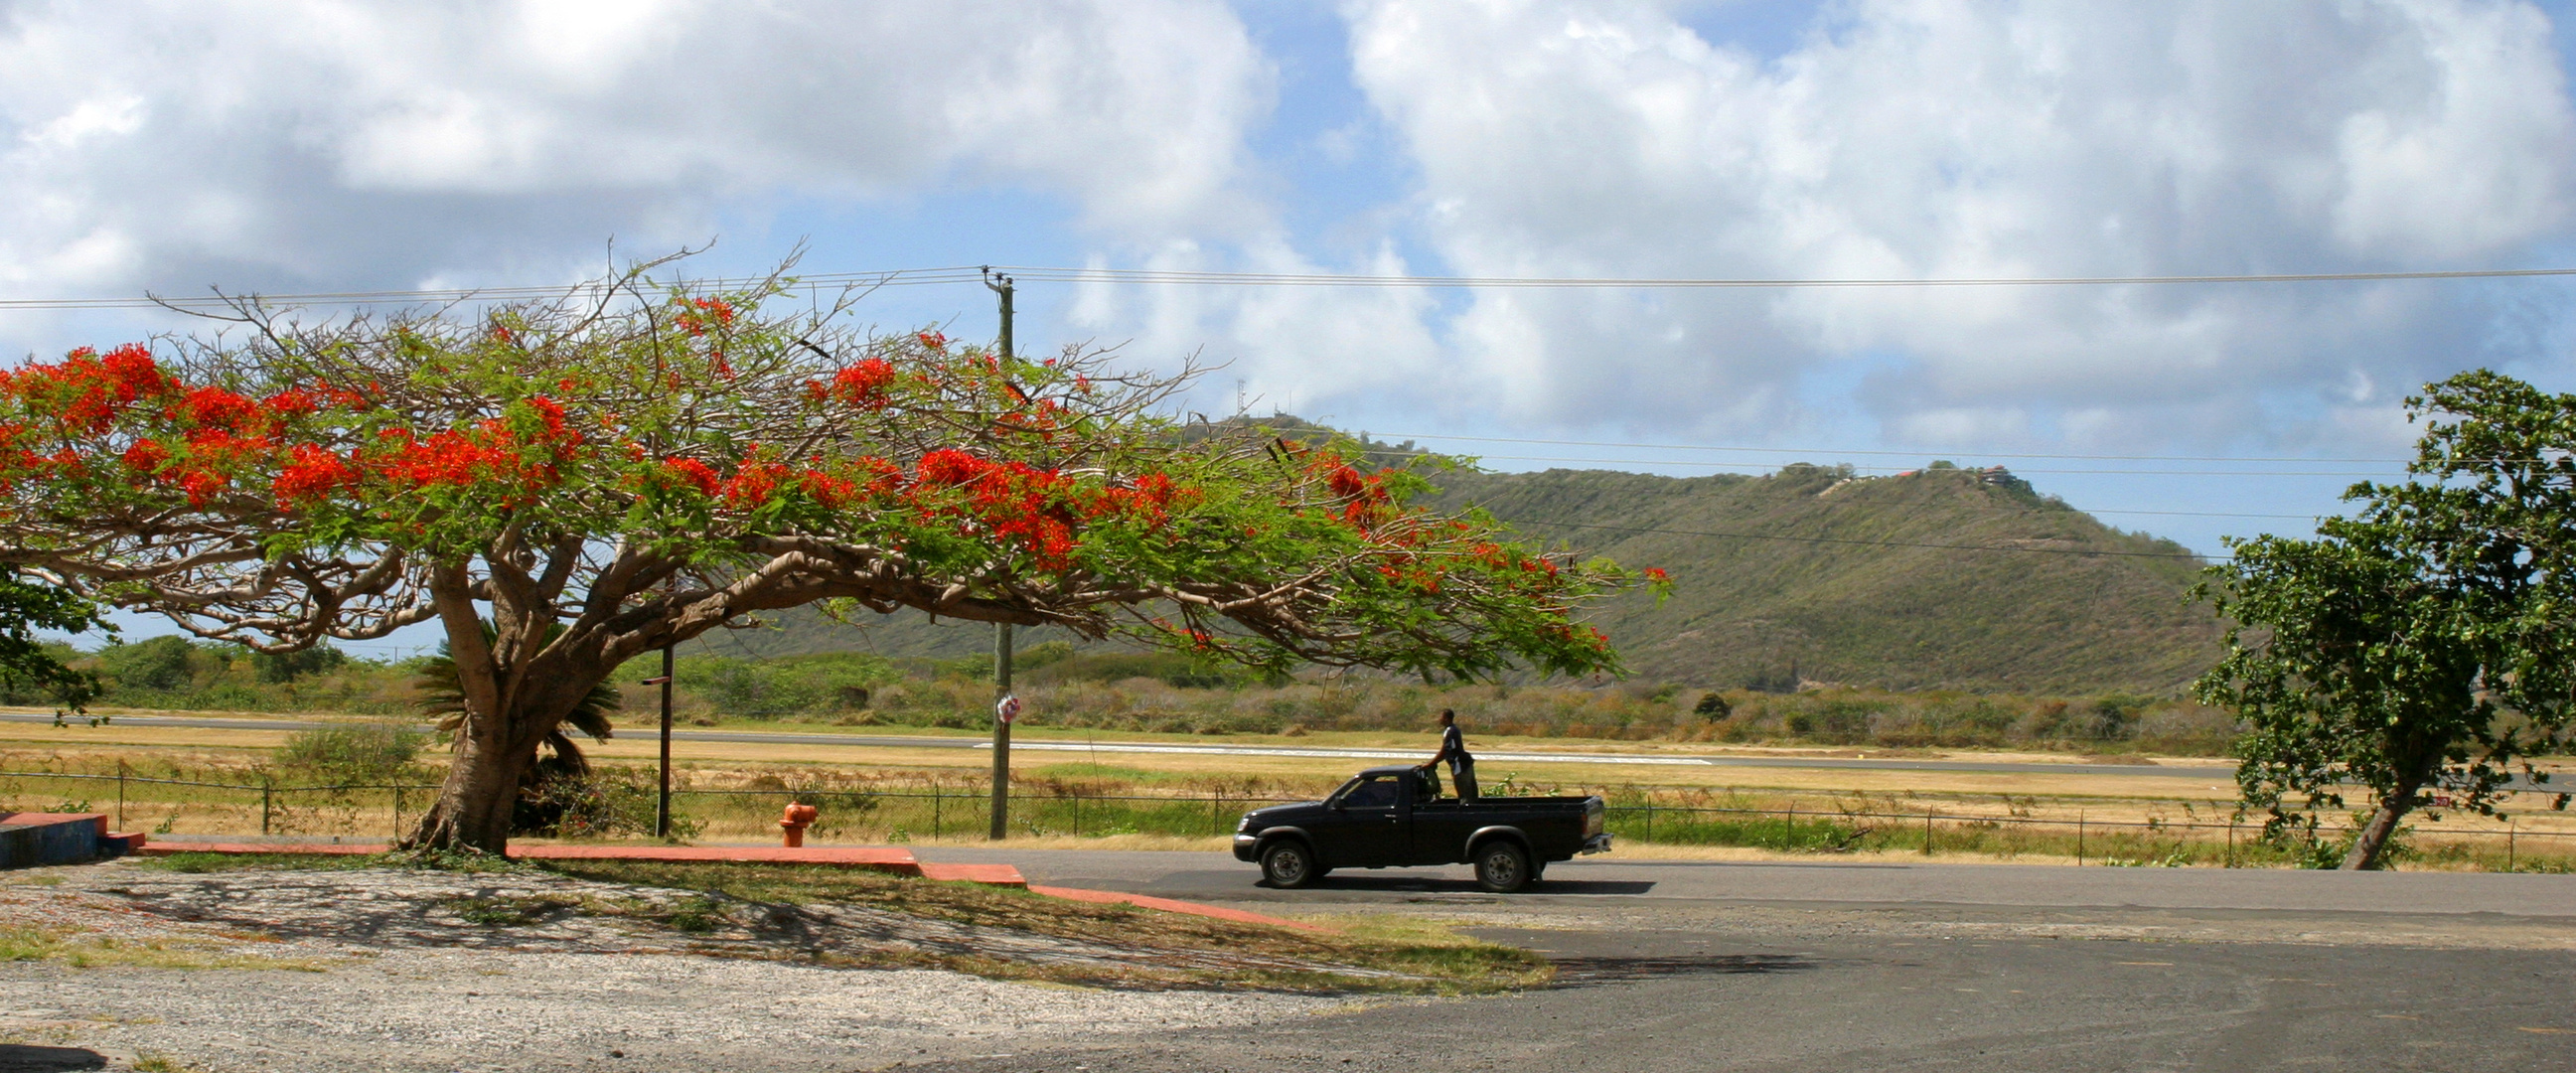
[(827, 917), (523, 969)]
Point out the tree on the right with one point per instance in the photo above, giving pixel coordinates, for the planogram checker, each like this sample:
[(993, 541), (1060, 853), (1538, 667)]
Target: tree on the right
[(2421, 651)]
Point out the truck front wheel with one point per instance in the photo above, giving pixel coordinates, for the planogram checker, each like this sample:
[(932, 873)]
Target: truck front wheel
[(1502, 866), (1288, 864)]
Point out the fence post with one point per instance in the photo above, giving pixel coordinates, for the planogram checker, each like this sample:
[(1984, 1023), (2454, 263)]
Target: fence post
[(1077, 814), (2508, 843), (267, 795), (1927, 830), (934, 812), (2231, 841), (397, 812), (1650, 816), (2079, 839), (120, 793), (1216, 814)]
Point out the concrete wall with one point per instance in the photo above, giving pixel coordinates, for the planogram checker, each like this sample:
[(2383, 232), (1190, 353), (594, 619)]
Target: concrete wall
[(30, 839)]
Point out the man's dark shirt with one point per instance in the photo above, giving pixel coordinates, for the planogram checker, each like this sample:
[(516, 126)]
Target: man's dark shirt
[(1453, 747)]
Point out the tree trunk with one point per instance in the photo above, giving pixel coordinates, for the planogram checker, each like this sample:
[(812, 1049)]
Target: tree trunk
[(476, 802), (2366, 849), (2372, 844)]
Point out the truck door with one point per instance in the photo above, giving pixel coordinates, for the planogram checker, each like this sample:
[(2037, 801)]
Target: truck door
[(1374, 814), (1440, 831)]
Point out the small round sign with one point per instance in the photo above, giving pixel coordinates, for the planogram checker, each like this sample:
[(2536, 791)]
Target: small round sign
[(1007, 709)]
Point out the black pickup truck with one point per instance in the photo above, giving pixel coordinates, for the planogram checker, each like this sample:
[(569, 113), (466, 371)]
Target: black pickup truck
[(1395, 817)]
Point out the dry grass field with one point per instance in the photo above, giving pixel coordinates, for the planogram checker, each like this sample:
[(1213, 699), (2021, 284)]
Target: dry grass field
[(731, 791)]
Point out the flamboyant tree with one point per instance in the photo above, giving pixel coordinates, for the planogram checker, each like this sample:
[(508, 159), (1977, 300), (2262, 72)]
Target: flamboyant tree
[(634, 464)]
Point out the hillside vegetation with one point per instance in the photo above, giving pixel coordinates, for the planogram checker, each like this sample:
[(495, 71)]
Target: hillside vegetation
[(1813, 576), (1163, 692), (1806, 576)]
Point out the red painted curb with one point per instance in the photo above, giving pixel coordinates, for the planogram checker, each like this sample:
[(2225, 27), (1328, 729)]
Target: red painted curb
[(994, 875), (1170, 906), (881, 858), (327, 849)]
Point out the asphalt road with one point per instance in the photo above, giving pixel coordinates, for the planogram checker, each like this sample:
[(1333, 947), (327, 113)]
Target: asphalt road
[(1672, 966), (906, 741), (1218, 877), (1729, 999)]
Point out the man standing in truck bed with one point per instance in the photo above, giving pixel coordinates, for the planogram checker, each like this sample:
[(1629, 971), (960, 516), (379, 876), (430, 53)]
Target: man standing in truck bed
[(1453, 748)]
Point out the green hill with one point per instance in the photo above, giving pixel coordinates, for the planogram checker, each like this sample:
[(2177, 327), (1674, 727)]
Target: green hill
[(1813, 575), (1807, 575)]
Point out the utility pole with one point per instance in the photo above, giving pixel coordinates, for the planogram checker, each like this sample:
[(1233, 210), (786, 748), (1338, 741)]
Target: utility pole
[(1005, 706)]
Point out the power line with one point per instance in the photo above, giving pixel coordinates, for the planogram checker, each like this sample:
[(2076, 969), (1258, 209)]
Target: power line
[(439, 295), (960, 274), (1323, 279)]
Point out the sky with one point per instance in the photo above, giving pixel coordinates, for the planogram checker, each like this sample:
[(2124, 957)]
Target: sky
[(284, 147)]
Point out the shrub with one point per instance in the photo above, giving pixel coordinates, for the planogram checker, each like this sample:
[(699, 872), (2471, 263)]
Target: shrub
[(1174, 669), (763, 689), (278, 670), (159, 664), (353, 752), (606, 803)]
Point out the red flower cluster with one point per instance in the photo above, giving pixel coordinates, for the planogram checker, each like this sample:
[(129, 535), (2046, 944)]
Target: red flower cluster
[(1038, 510), (311, 475), (863, 383), (146, 456), (520, 462), (695, 474), (702, 314), (84, 392), (220, 410), (1034, 510), (1365, 500)]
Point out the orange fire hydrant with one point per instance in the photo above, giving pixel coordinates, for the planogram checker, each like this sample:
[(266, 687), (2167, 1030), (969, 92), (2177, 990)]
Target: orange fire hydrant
[(796, 819)]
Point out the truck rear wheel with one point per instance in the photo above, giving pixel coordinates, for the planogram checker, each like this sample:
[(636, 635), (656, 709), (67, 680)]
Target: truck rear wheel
[(1502, 866), (1288, 864)]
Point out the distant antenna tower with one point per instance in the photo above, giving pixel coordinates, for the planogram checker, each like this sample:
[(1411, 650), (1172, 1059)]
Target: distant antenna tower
[(1239, 402)]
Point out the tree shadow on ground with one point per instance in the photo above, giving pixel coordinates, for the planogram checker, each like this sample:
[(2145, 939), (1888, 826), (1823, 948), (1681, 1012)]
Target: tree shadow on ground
[(1587, 971), (28, 1058), (1417, 884)]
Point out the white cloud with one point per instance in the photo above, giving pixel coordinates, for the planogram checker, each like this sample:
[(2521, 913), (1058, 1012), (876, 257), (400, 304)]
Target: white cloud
[(294, 144), (1932, 138), (372, 143)]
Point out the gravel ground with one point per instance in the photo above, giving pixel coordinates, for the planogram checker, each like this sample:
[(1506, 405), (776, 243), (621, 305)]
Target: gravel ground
[(509, 1010), (406, 981)]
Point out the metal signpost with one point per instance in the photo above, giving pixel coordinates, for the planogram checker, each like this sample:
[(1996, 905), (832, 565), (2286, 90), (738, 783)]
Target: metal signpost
[(662, 804), (1006, 709)]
